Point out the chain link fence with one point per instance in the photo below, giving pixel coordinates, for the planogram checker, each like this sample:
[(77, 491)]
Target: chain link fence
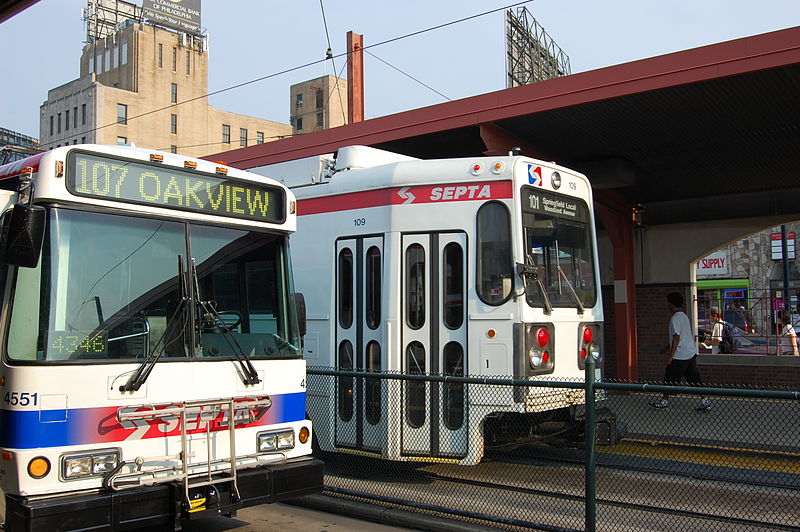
[(402, 441)]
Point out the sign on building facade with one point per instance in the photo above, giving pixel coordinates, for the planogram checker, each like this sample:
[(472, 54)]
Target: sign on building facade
[(714, 264), (182, 15)]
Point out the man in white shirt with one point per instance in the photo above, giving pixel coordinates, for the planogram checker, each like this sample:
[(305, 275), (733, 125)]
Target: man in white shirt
[(681, 351)]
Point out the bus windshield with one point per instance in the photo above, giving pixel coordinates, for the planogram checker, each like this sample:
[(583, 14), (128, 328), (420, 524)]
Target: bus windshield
[(557, 240), (120, 288)]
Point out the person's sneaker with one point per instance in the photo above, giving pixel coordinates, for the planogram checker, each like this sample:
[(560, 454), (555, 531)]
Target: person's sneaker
[(704, 404), (661, 403)]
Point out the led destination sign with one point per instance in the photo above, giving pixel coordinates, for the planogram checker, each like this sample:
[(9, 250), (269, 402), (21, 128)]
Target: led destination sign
[(170, 187)]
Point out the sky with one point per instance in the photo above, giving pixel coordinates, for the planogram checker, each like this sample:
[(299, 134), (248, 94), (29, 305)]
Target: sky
[(254, 39)]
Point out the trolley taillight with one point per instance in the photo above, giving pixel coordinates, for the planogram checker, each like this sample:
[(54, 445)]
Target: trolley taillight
[(589, 344)]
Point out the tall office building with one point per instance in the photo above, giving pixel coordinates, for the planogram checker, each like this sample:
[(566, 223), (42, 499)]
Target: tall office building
[(145, 83)]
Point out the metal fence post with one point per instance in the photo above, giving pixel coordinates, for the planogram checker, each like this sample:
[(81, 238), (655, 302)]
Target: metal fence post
[(590, 429)]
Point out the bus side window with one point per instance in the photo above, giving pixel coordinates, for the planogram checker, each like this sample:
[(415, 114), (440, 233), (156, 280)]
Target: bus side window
[(5, 220)]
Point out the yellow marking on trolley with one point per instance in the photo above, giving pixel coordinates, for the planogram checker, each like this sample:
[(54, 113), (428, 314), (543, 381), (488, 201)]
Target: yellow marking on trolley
[(432, 459), (776, 461)]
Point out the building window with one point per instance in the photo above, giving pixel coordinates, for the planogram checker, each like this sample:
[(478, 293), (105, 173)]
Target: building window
[(259, 137), (174, 59), (83, 140), (75, 117), (99, 63), (91, 65), (108, 59), (66, 120), (298, 100), (173, 149), (173, 94), (124, 53), (188, 62), (51, 125), (226, 133), (320, 119), (318, 96), (298, 123), (173, 124), (59, 123), (122, 114), (160, 55), (116, 56), (242, 137), (83, 114), (122, 140)]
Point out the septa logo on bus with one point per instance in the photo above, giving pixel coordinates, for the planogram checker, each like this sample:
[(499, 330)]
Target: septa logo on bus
[(162, 420), (460, 192)]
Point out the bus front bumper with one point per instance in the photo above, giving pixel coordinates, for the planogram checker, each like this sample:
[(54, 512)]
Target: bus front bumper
[(162, 504)]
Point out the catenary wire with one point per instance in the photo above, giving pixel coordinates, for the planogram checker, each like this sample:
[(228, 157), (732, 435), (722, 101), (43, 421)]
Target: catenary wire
[(409, 76)]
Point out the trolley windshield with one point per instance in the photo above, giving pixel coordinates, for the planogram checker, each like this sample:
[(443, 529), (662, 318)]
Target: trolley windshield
[(557, 239), (119, 288)]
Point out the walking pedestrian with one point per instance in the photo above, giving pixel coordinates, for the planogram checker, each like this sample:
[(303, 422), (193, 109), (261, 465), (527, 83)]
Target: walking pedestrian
[(681, 353)]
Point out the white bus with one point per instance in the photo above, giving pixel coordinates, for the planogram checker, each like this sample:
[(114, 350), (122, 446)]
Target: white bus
[(151, 363), (483, 266)]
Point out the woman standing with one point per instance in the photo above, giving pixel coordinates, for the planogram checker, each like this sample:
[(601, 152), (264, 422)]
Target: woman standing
[(787, 337)]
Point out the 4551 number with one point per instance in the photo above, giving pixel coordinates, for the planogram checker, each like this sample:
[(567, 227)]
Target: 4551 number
[(21, 398)]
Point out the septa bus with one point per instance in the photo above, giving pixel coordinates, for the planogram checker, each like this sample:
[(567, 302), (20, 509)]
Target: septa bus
[(483, 266), (151, 362)]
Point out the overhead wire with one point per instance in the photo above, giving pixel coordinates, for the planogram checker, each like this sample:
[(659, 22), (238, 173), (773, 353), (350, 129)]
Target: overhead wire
[(316, 62), (410, 76), (329, 54)]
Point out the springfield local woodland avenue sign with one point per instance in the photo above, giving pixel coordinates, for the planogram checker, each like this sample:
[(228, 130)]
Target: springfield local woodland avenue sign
[(183, 15)]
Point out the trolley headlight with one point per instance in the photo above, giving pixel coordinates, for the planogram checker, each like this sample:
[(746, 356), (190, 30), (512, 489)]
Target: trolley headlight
[(76, 466), (594, 351), (275, 441), (538, 357)]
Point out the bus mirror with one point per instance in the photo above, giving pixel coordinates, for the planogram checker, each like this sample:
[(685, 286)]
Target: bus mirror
[(300, 304), (25, 235)]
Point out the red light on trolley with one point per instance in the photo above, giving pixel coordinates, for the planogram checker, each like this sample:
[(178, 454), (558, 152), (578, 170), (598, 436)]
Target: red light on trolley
[(542, 337), (587, 335)]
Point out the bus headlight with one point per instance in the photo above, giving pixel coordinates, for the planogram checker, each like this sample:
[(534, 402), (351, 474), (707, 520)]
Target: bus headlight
[(77, 466), (275, 441)]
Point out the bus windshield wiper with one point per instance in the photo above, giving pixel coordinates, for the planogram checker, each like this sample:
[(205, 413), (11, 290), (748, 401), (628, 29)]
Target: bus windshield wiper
[(143, 371), (249, 374), (529, 272)]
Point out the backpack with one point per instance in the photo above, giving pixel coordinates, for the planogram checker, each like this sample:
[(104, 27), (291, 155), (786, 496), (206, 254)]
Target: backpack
[(728, 343)]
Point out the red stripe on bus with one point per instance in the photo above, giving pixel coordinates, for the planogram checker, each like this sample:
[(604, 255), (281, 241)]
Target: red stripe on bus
[(406, 195), (14, 168)]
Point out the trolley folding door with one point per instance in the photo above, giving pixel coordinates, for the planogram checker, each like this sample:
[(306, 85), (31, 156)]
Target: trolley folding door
[(360, 402), (434, 341)]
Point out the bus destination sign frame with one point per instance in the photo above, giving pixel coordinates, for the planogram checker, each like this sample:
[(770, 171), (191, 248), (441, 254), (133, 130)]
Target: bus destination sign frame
[(157, 185)]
